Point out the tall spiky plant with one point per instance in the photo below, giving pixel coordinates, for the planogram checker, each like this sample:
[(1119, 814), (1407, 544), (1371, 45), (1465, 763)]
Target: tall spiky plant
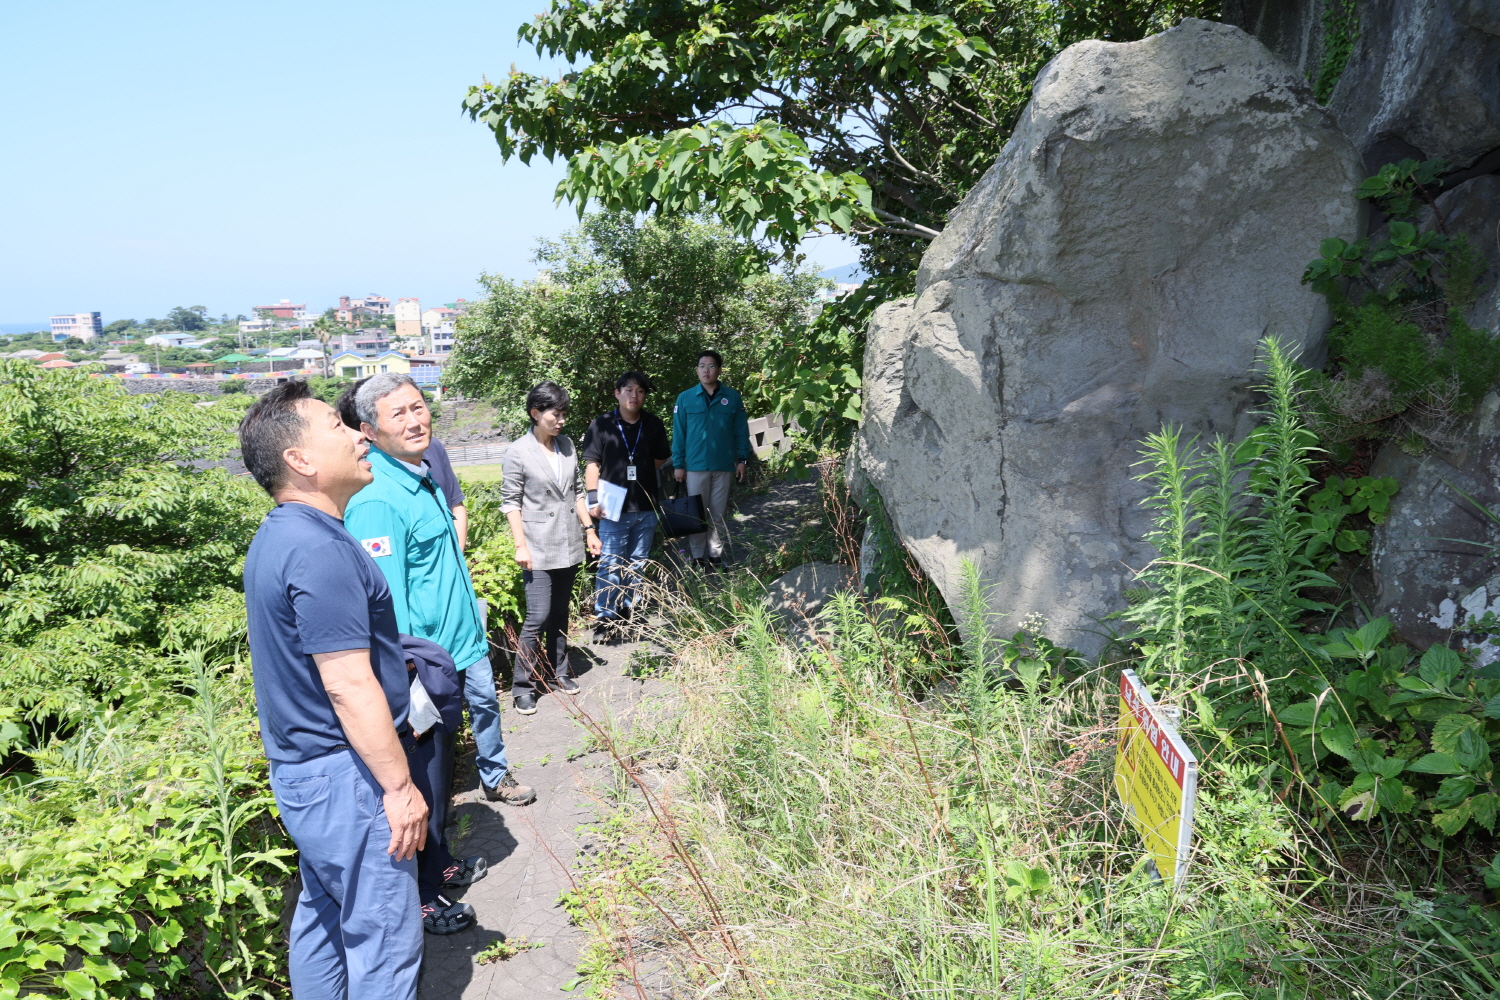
[(982, 647), (1222, 544), (1230, 528), (1174, 472), (1281, 451)]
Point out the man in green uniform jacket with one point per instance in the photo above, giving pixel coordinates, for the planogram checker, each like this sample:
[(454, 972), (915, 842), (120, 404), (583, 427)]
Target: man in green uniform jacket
[(710, 441), (403, 521)]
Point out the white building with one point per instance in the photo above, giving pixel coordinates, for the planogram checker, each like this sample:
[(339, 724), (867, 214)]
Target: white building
[(255, 325), (175, 338), (84, 326), (442, 337)]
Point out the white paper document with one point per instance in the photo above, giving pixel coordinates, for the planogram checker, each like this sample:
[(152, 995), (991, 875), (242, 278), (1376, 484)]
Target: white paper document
[(612, 499), (424, 714)]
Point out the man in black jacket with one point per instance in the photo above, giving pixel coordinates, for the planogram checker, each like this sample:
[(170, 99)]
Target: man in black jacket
[(624, 448)]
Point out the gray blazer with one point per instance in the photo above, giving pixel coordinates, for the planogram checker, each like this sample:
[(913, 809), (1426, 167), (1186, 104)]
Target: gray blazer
[(549, 509)]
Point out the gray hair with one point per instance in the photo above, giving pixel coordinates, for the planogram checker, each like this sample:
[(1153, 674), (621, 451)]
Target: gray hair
[(376, 388)]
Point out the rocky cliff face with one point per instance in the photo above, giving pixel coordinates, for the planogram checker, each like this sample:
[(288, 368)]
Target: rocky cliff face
[(1423, 81), (1146, 225)]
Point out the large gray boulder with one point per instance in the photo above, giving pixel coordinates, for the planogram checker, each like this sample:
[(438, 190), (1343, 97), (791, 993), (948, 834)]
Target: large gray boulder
[(1146, 225)]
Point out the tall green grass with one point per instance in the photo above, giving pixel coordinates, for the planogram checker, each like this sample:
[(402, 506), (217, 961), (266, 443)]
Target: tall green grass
[(861, 843), (857, 831)]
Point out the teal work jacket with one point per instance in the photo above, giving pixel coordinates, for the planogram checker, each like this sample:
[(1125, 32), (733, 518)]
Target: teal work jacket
[(709, 435), (402, 520)]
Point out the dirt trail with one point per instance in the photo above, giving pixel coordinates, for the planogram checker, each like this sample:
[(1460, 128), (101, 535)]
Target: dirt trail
[(531, 849)]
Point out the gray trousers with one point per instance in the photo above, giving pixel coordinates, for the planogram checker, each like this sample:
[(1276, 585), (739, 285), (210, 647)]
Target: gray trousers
[(357, 929), (713, 487)]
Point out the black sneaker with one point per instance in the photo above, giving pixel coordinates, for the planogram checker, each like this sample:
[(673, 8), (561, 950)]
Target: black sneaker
[(526, 703), (511, 792), (466, 872), (566, 685), (444, 916)]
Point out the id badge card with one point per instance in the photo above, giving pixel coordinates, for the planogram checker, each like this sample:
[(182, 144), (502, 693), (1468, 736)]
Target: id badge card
[(630, 473)]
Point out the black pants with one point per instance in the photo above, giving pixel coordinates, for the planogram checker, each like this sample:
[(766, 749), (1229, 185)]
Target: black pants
[(430, 760), (543, 655)]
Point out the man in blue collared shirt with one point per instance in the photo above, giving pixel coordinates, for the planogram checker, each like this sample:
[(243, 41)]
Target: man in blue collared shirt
[(710, 442), (403, 522)]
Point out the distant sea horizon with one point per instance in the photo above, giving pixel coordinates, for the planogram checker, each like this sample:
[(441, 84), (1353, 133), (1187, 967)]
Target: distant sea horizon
[(10, 328)]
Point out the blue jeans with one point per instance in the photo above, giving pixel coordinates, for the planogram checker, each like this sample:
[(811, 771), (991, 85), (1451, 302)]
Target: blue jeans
[(484, 719), (357, 930), (626, 546)]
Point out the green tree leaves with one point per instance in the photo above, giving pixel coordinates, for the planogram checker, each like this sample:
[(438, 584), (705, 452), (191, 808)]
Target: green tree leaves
[(109, 522), (871, 117), (617, 295), (746, 176)]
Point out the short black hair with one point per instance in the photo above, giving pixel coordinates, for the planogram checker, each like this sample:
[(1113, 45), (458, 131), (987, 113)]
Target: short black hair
[(710, 353), (345, 405), (271, 426), (639, 378), (546, 396)]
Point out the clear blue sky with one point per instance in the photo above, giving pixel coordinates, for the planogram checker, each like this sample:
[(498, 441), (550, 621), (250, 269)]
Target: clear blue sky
[(162, 153)]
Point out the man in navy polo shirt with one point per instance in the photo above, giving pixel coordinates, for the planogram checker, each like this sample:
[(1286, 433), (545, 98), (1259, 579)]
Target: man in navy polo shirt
[(331, 689)]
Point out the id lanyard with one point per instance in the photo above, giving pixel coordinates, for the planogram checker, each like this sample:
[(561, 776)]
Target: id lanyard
[(640, 428)]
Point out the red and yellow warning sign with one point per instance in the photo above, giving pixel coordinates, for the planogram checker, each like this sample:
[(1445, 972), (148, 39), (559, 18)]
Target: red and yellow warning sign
[(1156, 777)]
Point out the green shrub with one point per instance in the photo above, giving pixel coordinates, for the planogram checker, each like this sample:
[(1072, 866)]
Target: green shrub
[(1404, 363), (110, 529), (492, 556), (142, 857)]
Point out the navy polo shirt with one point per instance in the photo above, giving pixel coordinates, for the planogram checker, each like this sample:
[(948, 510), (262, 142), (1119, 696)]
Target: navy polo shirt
[(310, 588)]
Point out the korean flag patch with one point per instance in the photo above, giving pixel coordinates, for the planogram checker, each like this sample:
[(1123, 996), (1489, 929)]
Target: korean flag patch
[(377, 547)]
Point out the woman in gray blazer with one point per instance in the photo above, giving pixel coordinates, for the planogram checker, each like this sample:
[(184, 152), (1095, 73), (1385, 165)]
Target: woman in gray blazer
[(542, 496)]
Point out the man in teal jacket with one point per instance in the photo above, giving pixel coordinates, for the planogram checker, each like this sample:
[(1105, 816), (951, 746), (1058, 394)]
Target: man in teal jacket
[(403, 521), (710, 442)]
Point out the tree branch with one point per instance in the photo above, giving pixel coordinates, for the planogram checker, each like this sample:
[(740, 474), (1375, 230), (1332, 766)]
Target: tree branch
[(910, 228)]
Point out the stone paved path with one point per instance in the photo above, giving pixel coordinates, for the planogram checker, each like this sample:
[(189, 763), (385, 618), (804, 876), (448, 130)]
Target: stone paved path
[(529, 848)]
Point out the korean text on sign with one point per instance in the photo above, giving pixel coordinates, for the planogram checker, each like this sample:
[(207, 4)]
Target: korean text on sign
[(1156, 777)]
